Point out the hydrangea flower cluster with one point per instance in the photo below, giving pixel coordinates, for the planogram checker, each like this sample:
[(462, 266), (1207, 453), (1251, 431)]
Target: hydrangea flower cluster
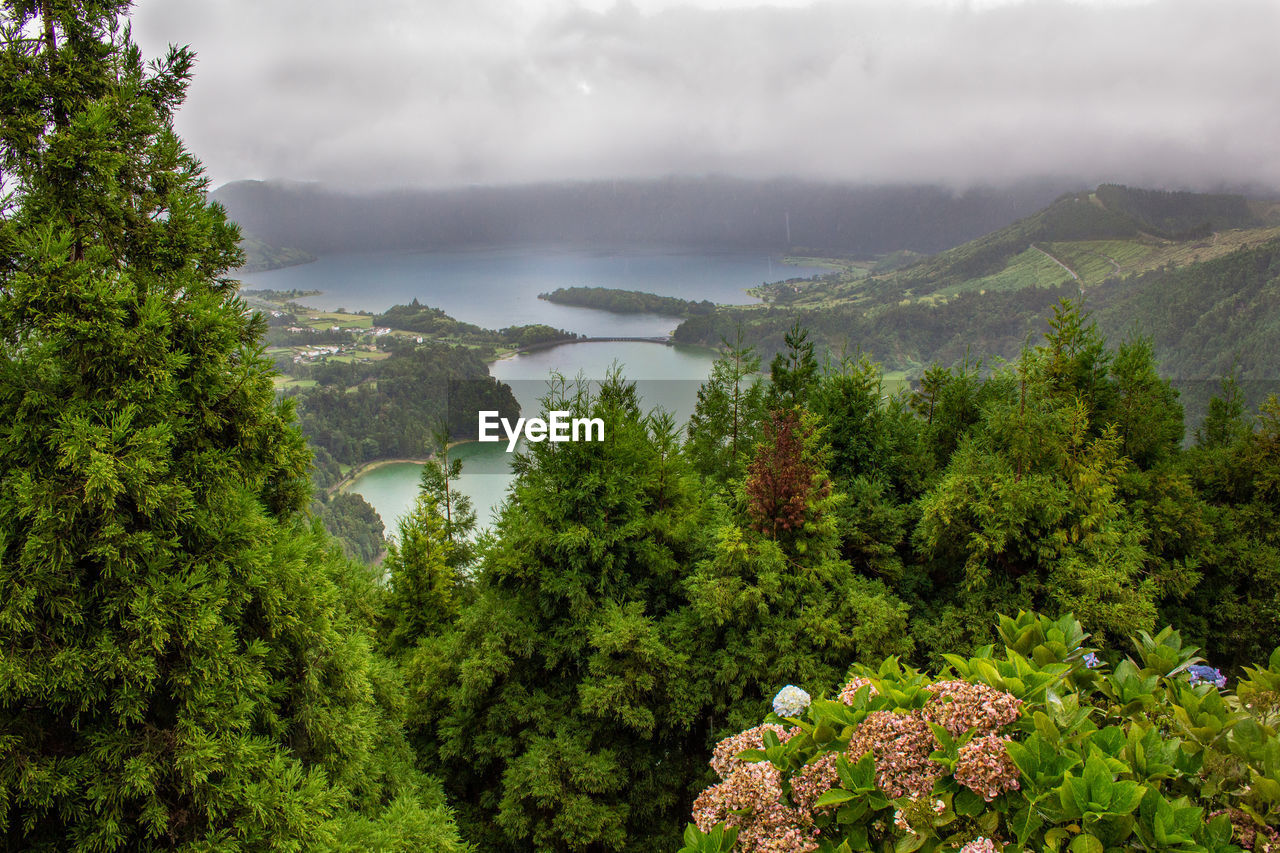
[(986, 768), (725, 758), (979, 845), (813, 780), (1201, 674), (791, 701), (958, 706), (1092, 661), (900, 745), (751, 798), (850, 690)]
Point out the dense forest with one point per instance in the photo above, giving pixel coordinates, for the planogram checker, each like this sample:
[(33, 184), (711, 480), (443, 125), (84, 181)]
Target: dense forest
[(947, 605), (385, 409)]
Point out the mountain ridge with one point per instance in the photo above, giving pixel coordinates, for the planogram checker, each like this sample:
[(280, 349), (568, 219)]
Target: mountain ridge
[(716, 212)]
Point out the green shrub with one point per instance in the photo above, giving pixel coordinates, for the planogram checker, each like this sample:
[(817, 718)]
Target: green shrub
[(1047, 745)]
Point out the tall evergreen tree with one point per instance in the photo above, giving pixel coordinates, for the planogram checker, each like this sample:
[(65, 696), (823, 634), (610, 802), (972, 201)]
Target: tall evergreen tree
[(848, 401), (726, 421), (1028, 512), (437, 482), (423, 582), (774, 603), (1235, 609), (559, 707), (793, 372), (183, 663)]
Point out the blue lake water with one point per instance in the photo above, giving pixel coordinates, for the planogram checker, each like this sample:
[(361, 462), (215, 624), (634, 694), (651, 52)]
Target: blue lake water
[(498, 288)]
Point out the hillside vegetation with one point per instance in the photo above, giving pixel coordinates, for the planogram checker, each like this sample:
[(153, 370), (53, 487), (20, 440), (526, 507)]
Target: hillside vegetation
[(1173, 266), (627, 301), (259, 256)]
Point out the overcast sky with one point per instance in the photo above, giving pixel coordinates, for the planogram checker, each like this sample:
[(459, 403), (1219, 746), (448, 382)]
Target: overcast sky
[(451, 92)]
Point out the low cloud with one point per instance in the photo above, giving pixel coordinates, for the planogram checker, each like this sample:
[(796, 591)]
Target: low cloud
[(1172, 93)]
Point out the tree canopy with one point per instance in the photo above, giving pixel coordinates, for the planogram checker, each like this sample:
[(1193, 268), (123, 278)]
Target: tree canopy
[(183, 663)]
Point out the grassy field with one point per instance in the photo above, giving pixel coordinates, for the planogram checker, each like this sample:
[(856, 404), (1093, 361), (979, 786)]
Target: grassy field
[(283, 382), (829, 263), (334, 318), (357, 357), (895, 381), (1031, 268), (1094, 261)]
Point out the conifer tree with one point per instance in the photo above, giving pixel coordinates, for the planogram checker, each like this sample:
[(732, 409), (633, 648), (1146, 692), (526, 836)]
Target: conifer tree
[(726, 421), (773, 603), (1028, 512), (793, 372), (418, 567), (559, 708), (184, 664), (785, 484), (437, 482), (847, 400), (1236, 471)]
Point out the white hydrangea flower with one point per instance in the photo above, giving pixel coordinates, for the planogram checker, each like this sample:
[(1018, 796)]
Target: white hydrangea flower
[(791, 701)]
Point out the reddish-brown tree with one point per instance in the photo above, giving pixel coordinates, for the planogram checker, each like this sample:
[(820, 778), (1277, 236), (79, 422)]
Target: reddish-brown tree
[(782, 480)]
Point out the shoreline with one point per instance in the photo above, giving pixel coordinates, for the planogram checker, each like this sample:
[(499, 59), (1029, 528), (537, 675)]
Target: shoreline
[(669, 341), (374, 464)]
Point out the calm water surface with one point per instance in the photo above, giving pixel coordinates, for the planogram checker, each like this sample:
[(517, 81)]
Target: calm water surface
[(496, 288), (665, 376)]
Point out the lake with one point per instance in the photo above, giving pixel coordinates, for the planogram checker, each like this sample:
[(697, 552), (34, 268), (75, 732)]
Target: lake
[(496, 288), (665, 376)]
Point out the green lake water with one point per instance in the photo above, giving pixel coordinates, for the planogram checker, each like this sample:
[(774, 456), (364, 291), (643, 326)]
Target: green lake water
[(665, 376)]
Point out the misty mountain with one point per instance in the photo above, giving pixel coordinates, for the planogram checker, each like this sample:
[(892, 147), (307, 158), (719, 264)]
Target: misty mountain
[(717, 213)]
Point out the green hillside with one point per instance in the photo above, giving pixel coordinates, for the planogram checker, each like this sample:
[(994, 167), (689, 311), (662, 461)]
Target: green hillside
[(1195, 272), (1082, 238), (260, 256)]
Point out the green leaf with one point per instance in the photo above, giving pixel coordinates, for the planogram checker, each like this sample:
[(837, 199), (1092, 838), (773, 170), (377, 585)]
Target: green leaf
[(968, 804), (1024, 822), (909, 843), (1098, 778), (1085, 843), (1125, 797), (834, 797)]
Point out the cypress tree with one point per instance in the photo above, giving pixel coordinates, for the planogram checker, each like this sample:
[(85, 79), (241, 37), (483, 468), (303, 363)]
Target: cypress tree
[(723, 428), (184, 664), (773, 603), (559, 707)]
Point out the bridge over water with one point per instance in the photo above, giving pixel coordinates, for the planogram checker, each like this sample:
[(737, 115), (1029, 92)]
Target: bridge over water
[(655, 339)]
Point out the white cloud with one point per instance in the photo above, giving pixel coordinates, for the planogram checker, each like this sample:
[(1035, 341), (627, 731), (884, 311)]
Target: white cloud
[(458, 91)]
